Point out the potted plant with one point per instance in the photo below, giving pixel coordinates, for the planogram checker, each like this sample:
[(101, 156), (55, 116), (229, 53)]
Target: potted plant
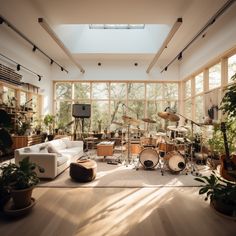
[(222, 193), (49, 121), (20, 181)]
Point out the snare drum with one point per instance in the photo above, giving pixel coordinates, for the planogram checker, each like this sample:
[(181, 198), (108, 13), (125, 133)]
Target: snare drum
[(148, 142), (149, 158), (175, 162)]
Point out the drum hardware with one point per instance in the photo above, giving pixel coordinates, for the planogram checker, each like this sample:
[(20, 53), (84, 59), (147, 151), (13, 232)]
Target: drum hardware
[(193, 166)]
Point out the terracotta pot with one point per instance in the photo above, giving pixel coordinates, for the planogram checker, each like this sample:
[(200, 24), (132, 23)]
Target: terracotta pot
[(22, 197)]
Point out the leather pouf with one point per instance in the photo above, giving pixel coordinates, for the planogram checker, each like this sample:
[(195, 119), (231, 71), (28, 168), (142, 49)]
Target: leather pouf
[(83, 170)]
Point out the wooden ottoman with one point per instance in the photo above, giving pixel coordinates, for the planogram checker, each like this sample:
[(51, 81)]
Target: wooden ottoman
[(83, 170)]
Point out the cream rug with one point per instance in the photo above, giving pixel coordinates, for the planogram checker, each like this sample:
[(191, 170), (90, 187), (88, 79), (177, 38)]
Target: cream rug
[(120, 175)]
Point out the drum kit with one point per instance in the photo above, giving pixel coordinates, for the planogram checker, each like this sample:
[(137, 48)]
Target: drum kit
[(170, 150)]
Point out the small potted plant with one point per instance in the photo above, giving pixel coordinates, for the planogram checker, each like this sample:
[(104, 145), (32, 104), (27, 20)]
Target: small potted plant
[(222, 193), (20, 181)]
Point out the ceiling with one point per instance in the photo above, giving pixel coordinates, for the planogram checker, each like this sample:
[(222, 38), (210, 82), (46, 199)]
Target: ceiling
[(58, 13)]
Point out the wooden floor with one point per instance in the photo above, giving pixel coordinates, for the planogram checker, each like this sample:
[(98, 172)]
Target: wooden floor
[(119, 211)]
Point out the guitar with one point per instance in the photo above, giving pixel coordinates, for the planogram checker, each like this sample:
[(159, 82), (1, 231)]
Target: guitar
[(228, 163)]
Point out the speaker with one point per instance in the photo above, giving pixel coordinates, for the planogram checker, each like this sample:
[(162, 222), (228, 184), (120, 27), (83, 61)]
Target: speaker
[(81, 110)]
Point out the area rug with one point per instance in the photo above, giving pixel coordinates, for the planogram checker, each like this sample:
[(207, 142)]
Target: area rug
[(121, 175)]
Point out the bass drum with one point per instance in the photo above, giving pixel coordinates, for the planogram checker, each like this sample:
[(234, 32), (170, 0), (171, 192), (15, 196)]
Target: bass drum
[(149, 158), (175, 162)]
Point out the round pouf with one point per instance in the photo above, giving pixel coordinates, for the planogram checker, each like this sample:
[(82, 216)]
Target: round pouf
[(83, 170)]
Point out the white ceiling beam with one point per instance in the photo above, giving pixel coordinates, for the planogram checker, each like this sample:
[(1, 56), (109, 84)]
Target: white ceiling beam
[(165, 43), (53, 35)]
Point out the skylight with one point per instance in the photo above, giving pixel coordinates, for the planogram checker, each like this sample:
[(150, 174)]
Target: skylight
[(116, 26)]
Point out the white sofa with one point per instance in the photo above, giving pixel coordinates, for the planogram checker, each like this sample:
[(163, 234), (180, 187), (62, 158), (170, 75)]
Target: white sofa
[(54, 156)]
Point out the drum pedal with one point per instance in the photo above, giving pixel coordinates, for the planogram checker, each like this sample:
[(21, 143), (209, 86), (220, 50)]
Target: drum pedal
[(112, 162)]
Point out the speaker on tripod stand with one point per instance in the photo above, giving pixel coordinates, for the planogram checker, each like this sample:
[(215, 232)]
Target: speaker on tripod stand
[(80, 111)]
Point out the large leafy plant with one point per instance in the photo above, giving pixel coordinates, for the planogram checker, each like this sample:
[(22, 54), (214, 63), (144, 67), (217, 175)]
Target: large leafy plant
[(217, 189), (217, 142), (228, 103), (19, 177)]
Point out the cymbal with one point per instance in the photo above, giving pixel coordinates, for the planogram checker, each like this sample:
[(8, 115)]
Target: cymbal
[(168, 116), (163, 115), (160, 134), (117, 123), (148, 120), (173, 117), (129, 120), (178, 129)]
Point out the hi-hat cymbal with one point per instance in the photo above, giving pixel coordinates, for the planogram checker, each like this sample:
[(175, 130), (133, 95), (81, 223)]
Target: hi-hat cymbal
[(168, 116), (129, 120), (148, 120), (160, 134)]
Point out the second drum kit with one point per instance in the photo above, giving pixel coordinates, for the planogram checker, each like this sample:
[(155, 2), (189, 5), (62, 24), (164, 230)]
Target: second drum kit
[(170, 150)]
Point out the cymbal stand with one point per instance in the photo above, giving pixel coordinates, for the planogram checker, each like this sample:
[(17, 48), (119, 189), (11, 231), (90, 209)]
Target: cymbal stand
[(193, 167)]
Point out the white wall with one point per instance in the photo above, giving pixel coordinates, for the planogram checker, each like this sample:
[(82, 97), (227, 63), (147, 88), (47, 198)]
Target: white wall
[(220, 37), (116, 70), (17, 49)]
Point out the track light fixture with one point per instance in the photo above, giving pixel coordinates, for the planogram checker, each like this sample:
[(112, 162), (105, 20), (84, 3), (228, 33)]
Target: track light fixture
[(180, 57), (54, 36), (34, 48), (135, 64), (19, 67), (202, 32), (51, 62), (62, 68), (2, 20), (166, 68), (99, 63)]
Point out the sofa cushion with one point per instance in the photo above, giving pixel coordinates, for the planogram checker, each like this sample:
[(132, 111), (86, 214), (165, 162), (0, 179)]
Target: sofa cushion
[(31, 149), (43, 148), (61, 160), (58, 144), (71, 151), (67, 142), (52, 149)]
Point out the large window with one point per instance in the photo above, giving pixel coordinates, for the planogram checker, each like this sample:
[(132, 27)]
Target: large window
[(188, 88), (215, 76), (111, 100), (199, 111), (199, 83), (231, 67)]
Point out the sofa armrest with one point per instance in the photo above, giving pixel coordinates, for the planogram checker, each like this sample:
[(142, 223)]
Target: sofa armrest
[(48, 161)]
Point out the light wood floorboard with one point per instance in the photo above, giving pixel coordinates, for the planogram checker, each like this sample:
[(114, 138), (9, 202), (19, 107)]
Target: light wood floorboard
[(159, 211)]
